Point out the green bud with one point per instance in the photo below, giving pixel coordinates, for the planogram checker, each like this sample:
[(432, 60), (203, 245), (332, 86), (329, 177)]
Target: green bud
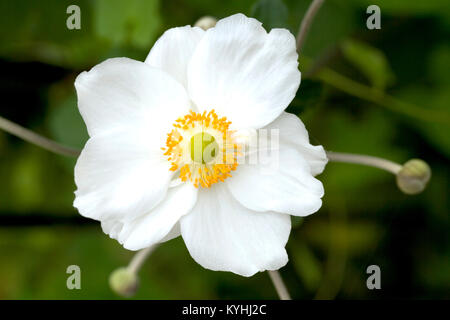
[(206, 22), (413, 176), (124, 282)]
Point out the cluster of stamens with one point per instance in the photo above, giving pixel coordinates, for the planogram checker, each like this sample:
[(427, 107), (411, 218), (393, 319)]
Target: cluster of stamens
[(202, 148)]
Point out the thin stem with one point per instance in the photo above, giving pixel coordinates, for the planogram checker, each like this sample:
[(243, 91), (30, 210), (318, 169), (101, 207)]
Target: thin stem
[(307, 21), (139, 259), (279, 285), (37, 139), (365, 160)]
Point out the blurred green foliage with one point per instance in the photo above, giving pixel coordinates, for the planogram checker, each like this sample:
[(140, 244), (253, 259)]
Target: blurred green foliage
[(365, 220), (274, 13), (370, 61)]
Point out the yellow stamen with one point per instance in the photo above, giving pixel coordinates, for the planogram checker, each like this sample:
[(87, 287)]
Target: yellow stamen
[(210, 163)]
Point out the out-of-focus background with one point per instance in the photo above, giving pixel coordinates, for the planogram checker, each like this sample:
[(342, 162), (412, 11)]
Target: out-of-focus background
[(379, 92)]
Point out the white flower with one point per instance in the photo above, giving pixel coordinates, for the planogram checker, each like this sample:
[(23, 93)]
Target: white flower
[(137, 173)]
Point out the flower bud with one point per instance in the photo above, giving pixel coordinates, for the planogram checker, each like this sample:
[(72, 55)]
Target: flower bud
[(123, 282), (413, 176), (206, 22)]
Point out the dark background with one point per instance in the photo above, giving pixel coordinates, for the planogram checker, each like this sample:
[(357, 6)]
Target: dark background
[(379, 92)]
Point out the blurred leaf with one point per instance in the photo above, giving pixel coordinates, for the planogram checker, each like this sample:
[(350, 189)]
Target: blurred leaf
[(34, 177), (334, 22), (272, 13), (65, 122), (42, 34), (307, 266), (25, 181), (67, 125), (439, 7), (131, 22), (369, 133), (438, 64), (34, 262), (438, 98), (41, 21), (434, 271), (369, 61), (354, 238)]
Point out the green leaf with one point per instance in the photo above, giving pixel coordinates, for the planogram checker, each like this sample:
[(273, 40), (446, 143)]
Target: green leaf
[(272, 13), (133, 22), (371, 62)]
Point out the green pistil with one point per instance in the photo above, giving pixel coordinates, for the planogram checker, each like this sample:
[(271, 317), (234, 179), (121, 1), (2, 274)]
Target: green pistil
[(207, 151)]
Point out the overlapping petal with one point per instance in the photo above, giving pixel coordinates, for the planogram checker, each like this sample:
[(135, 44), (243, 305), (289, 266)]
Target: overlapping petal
[(128, 108), (118, 177), (244, 73), (158, 225), (223, 235), (293, 134), (173, 50), (122, 94), (280, 178), (284, 185)]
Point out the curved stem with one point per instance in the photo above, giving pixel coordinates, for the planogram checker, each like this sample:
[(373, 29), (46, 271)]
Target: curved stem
[(139, 259), (307, 21), (279, 285), (37, 139), (365, 160)]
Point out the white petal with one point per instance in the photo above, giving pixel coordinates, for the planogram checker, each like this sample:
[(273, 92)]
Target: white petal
[(222, 235), (173, 50), (283, 185), (174, 233), (120, 177), (243, 72), (112, 227), (157, 225), (122, 93), (292, 133)]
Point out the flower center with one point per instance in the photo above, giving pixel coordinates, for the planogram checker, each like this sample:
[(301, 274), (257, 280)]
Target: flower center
[(203, 148)]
